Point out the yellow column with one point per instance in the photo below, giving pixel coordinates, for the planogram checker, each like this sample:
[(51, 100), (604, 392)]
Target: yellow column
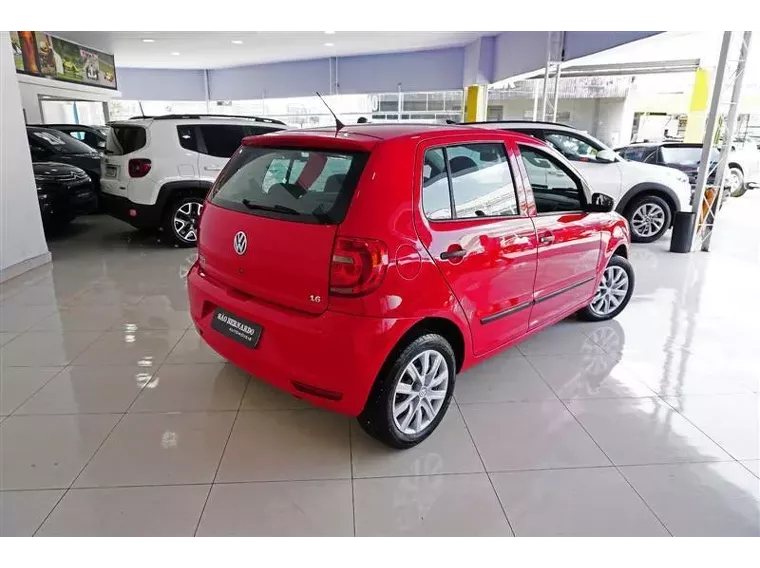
[(476, 100), (695, 123)]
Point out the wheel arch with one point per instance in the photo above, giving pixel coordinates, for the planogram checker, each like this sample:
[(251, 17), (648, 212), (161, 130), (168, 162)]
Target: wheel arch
[(174, 189), (444, 327), (649, 188), (736, 165)]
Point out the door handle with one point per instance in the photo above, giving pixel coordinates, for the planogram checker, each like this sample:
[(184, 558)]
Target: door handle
[(212, 168), (546, 239), (449, 254)]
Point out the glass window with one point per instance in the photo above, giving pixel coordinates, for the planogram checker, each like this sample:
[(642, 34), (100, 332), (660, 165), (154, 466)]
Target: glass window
[(59, 142), (78, 134), (572, 147), (187, 138), (554, 189), (481, 181), (686, 155), (125, 139), (222, 139), (309, 186), (638, 153), (436, 201)]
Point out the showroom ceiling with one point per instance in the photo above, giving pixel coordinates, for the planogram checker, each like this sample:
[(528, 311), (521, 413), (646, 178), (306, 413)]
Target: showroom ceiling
[(212, 50)]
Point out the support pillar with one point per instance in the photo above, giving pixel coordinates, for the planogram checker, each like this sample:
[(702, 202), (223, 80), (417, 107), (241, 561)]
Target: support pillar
[(695, 122), (476, 103)]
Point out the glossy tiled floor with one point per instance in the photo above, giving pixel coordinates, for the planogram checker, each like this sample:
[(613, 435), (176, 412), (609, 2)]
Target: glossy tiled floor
[(117, 420)]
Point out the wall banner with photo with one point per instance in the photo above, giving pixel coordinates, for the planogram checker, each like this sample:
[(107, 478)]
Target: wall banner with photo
[(39, 53)]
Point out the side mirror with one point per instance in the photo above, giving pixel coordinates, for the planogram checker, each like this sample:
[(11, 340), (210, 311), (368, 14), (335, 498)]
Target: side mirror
[(606, 157), (601, 203)]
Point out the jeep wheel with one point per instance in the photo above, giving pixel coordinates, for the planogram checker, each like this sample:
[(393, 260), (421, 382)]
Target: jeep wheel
[(735, 182), (181, 221)]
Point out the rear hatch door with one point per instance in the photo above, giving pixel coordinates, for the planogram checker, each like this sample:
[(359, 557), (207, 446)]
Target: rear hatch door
[(270, 222), (123, 142)]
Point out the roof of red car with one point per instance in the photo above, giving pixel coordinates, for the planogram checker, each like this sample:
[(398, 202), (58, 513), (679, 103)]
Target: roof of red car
[(359, 136)]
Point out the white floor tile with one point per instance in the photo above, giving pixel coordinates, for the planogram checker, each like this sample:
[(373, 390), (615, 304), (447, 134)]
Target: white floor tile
[(192, 349), (160, 449), (17, 384), (48, 452), (22, 512), (529, 435), (429, 505), (128, 511), (86, 390), (186, 388), (574, 502), (287, 445), (46, 348), (143, 348), (448, 450), (588, 375), (644, 431), (502, 379), (732, 421), (706, 499), (290, 508)]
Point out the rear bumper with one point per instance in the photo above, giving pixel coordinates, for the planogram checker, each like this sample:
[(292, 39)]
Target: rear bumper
[(136, 214), (331, 359)]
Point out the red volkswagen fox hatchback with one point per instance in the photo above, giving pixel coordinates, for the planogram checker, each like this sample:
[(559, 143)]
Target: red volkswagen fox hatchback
[(363, 269)]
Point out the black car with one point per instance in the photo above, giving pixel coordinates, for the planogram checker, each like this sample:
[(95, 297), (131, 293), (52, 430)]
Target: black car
[(63, 192), (93, 136), (48, 145)]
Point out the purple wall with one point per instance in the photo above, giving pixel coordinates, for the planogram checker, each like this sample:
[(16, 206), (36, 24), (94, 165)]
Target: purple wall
[(275, 80), (579, 44), (435, 70), (516, 53), (161, 84)]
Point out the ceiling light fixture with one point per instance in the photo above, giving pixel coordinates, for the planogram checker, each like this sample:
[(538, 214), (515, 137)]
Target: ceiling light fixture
[(175, 52), (148, 40), (329, 44), (329, 33), (237, 41)]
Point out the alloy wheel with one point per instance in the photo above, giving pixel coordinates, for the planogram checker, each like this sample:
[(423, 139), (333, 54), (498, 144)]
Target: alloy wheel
[(648, 219), (611, 292), (186, 221), (420, 392)]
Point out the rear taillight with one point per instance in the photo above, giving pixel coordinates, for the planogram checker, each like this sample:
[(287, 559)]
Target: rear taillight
[(138, 167), (358, 266)]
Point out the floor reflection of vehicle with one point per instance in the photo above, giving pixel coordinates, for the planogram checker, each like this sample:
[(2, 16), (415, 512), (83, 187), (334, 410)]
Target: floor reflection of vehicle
[(428, 249)]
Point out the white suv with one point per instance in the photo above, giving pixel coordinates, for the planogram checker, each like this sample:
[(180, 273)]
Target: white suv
[(156, 171), (645, 194)]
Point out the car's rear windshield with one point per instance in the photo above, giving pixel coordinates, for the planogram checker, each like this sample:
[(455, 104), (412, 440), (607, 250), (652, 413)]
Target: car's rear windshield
[(61, 143), (303, 185), (125, 139)]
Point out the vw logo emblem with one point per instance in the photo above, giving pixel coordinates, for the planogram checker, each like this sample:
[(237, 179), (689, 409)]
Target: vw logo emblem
[(240, 243)]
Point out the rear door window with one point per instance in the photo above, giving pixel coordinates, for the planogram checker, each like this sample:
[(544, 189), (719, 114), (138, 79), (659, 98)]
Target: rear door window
[(310, 186), (221, 140), (188, 137), (125, 139)]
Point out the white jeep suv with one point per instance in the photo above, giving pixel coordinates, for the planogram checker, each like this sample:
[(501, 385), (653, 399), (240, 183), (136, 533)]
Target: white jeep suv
[(156, 171), (645, 194)]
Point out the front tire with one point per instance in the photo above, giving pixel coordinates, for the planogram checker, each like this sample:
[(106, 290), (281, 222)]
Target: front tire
[(649, 216), (613, 292), (735, 181), (411, 394), (181, 221)]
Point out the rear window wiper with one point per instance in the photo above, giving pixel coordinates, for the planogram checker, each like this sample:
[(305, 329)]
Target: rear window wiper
[(274, 208)]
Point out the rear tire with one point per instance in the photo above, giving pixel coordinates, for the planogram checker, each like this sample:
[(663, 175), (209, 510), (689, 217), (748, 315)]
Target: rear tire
[(406, 405), (649, 216), (616, 285), (181, 218)]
